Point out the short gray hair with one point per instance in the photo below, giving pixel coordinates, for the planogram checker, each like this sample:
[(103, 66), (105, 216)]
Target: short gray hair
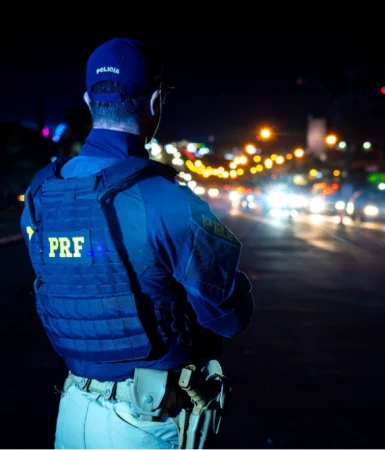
[(124, 113)]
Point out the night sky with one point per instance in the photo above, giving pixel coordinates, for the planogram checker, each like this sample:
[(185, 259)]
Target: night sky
[(228, 80)]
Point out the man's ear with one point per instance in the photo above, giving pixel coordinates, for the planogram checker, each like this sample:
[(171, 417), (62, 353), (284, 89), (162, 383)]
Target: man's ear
[(155, 102), (86, 98)]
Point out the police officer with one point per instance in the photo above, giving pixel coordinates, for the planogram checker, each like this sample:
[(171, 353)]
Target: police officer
[(137, 280)]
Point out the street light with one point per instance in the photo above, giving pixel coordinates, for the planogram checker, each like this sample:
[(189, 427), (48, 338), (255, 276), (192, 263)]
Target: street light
[(265, 133), (299, 153), (331, 139)]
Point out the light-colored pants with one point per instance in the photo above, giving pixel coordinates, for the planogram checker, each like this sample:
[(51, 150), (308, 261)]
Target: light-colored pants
[(88, 420)]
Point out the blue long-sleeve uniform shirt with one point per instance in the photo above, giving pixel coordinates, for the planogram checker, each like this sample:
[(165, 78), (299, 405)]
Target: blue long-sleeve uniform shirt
[(165, 215)]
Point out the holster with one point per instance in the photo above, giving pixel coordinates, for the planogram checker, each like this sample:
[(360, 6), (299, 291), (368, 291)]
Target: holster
[(208, 389)]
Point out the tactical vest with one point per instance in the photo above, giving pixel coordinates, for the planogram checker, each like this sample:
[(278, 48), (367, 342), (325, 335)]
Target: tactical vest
[(85, 289)]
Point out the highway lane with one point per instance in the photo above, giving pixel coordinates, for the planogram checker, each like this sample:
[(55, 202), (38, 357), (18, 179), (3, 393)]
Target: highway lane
[(307, 373)]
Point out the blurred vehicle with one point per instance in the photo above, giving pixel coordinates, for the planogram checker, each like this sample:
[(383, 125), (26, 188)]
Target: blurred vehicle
[(216, 198), (297, 200), (288, 198), (280, 199), (253, 203), (333, 204), (367, 205), (317, 205), (327, 202)]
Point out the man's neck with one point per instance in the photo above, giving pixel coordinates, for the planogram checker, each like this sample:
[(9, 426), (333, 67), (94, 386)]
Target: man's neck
[(113, 143)]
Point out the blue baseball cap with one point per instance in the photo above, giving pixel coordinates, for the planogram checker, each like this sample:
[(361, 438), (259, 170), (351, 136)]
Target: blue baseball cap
[(133, 64)]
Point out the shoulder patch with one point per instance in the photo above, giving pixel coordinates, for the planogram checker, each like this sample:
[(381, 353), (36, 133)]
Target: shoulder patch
[(214, 226), (203, 216), (213, 260), (215, 254)]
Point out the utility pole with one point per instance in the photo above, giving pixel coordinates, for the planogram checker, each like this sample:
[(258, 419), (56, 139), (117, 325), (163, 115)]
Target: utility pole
[(41, 113), (351, 147)]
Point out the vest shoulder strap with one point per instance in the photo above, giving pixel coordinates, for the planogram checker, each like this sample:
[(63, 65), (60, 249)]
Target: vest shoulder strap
[(124, 175), (46, 173)]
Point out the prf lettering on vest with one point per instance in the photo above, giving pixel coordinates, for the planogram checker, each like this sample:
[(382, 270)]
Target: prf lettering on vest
[(218, 228), (64, 247)]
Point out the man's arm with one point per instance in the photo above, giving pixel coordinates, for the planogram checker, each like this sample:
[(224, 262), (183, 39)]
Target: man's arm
[(203, 255)]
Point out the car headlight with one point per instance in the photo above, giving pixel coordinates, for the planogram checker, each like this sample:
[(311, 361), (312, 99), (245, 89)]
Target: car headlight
[(317, 205), (213, 192), (371, 210), (350, 208), (340, 206), (296, 201), (277, 200)]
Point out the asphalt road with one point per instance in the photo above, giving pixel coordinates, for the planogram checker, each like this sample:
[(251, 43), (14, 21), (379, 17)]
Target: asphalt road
[(308, 373)]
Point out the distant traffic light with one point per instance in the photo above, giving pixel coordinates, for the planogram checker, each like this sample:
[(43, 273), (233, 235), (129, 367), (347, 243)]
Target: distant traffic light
[(383, 90)]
